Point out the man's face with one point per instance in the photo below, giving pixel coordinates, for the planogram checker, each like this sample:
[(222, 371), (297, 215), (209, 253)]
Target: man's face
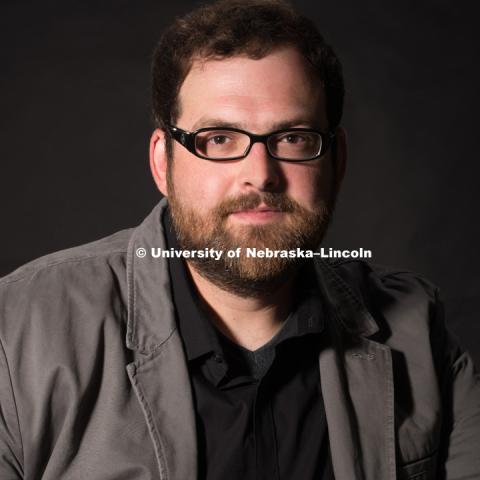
[(257, 201)]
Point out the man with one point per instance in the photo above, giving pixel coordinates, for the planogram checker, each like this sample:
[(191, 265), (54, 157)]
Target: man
[(122, 360)]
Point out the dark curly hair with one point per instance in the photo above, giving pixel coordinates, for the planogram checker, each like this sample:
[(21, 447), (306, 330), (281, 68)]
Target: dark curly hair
[(227, 28)]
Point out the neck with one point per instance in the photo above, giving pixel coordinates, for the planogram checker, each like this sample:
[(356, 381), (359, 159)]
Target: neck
[(249, 321)]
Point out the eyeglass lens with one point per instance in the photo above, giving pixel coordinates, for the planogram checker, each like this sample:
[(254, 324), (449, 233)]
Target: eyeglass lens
[(291, 145)]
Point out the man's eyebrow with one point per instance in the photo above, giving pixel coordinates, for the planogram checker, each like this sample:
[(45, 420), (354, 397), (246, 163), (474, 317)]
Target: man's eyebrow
[(218, 122)]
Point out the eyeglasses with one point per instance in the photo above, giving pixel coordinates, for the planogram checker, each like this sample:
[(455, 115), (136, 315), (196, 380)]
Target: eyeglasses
[(290, 145)]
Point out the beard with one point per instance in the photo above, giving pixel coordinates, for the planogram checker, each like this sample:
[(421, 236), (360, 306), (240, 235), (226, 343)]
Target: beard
[(243, 275)]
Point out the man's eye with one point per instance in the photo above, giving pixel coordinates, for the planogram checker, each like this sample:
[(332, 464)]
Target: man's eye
[(218, 139), (293, 139)]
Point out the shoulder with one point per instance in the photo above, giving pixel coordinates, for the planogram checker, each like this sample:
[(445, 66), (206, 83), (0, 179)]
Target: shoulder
[(381, 286), (369, 278), (51, 292), (405, 305), (99, 251)]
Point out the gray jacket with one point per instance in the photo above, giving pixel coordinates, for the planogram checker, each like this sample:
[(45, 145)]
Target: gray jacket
[(94, 382)]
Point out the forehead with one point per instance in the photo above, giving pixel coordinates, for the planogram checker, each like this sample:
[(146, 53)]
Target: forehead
[(253, 93)]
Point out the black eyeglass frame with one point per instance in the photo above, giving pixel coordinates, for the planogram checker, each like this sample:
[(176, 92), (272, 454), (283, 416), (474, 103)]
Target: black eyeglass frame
[(187, 139)]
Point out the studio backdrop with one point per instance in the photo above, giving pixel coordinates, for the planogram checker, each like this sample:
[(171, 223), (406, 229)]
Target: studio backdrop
[(75, 125)]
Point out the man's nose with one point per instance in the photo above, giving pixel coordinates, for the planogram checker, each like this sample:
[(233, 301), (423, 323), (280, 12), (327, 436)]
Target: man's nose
[(259, 170)]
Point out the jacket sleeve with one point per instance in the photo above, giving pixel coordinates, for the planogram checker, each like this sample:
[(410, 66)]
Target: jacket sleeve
[(461, 426), (10, 440)]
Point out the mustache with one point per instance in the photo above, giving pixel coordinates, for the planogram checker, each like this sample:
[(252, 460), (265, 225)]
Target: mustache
[(277, 201)]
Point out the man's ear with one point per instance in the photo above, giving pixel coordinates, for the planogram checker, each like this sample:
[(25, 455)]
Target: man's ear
[(158, 160), (340, 157)]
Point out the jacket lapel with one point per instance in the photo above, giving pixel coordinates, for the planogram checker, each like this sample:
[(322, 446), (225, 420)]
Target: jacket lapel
[(357, 387), (162, 387), (343, 445), (159, 373)]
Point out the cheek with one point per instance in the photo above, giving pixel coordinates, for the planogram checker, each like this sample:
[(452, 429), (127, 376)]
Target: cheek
[(200, 183), (310, 184), (324, 185)]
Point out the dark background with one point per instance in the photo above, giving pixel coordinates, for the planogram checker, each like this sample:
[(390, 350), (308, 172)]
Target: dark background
[(75, 126)]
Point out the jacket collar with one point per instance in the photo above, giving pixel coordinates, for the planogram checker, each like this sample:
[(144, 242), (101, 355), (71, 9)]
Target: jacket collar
[(151, 317), (344, 304)]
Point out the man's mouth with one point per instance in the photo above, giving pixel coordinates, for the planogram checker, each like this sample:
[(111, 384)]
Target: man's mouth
[(257, 210), (260, 213)]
